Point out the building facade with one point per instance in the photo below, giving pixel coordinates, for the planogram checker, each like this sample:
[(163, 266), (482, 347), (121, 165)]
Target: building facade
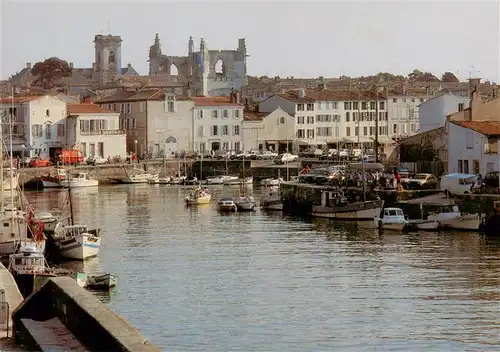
[(95, 131), (269, 131), (333, 117), (403, 115), (433, 112)]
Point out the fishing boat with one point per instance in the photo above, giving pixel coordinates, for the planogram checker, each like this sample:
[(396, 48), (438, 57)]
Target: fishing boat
[(54, 181), (82, 180), (421, 224), (198, 197), (219, 180), (49, 221), (391, 219), (103, 281), (270, 182), (190, 181), (136, 176), (272, 199), (334, 205), (450, 217), (245, 202), (27, 266), (226, 204)]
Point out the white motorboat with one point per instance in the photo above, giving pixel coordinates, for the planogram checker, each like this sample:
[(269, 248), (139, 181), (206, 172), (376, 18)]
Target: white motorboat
[(272, 199), (82, 180), (239, 181), (27, 266), (54, 181), (14, 229), (449, 216), (391, 219), (220, 180), (245, 203), (269, 182), (76, 242), (226, 204), (97, 281), (49, 221)]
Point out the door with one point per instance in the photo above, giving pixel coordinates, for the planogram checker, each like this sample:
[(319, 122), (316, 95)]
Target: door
[(91, 149), (215, 146), (100, 149)]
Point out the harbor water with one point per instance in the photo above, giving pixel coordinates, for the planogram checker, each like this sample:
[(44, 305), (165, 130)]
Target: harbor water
[(192, 279)]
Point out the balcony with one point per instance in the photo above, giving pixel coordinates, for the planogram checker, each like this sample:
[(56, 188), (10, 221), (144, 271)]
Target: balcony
[(103, 132)]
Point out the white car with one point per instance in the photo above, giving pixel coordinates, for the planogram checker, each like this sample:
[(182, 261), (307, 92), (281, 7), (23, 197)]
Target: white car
[(285, 158), (96, 160), (267, 154)]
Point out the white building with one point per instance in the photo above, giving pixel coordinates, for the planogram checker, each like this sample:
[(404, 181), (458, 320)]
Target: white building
[(269, 131), (330, 117), (95, 131), (403, 115), (473, 146), (433, 112)]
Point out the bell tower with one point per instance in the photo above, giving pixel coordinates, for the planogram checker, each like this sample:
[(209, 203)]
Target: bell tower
[(108, 58)]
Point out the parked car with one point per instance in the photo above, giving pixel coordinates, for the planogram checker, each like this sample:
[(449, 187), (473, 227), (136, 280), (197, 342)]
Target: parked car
[(96, 160), (491, 179), (39, 162), (311, 153), (329, 154), (266, 155), (458, 183), (421, 181), (285, 158)]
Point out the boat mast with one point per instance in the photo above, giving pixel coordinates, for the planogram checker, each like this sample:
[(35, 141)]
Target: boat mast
[(71, 218), (363, 176), (1, 170), (11, 164)]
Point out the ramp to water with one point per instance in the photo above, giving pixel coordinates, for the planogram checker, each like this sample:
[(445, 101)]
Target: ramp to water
[(12, 295), (52, 335)]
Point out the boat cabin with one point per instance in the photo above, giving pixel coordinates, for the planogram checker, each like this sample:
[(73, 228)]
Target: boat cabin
[(27, 261), (333, 198), (391, 213), (73, 231)]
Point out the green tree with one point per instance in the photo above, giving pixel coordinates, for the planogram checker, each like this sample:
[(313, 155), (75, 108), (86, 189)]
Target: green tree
[(49, 73)]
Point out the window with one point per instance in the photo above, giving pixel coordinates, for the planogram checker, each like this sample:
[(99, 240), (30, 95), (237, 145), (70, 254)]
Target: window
[(412, 100), (373, 105), (310, 107), (490, 166), (282, 120), (215, 130), (395, 128), (237, 113), (37, 130), (300, 107), (225, 145), (60, 129), (301, 134), (320, 106), (237, 146), (236, 130), (469, 139), (310, 133), (327, 105), (141, 106), (356, 131), (83, 149), (394, 100), (365, 131), (336, 131), (334, 105), (200, 114), (215, 114), (492, 146), (300, 120), (225, 130), (47, 113), (355, 105), (201, 131), (347, 131), (364, 105), (346, 105), (170, 105), (202, 147), (323, 131), (347, 116), (129, 108), (381, 105), (466, 166), (100, 149), (310, 119), (475, 164), (461, 107), (48, 131), (224, 114), (412, 127)]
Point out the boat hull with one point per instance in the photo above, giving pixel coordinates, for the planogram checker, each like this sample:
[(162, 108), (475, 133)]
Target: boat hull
[(464, 222), (80, 247), (245, 205), (50, 182), (356, 211), (271, 203), (87, 183), (425, 224), (100, 282), (227, 208), (198, 201)]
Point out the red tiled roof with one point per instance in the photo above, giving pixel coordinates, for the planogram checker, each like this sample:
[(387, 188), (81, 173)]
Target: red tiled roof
[(74, 109), (214, 101), (127, 96), (254, 116), (17, 100), (312, 95), (488, 128)]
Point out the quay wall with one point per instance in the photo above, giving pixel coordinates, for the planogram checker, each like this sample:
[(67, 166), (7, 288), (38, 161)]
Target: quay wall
[(96, 326)]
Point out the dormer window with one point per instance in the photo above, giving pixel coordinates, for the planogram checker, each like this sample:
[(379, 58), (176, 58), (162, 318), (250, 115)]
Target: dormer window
[(170, 103), (47, 113)]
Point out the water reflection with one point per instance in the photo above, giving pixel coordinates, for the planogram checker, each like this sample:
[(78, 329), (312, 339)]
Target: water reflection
[(192, 279)]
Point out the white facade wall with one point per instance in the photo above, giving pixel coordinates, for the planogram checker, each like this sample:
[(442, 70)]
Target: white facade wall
[(106, 140), (403, 115), (277, 126), (469, 146), (46, 125), (433, 112)]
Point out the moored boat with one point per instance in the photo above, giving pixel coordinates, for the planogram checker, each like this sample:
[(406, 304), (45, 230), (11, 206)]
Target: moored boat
[(450, 216), (272, 199), (334, 205), (103, 281), (391, 219), (198, 197), (428, 225), (82, 180), (76, 242), (54, 181), (269, 182), (245, 203), (226, 204)]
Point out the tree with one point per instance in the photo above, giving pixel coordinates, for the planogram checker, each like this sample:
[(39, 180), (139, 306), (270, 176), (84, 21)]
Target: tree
[(449, 77), (49, 73), (419, 76)]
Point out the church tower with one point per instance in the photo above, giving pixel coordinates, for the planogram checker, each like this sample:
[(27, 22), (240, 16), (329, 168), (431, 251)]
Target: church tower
[(108, 58), (204, 68)]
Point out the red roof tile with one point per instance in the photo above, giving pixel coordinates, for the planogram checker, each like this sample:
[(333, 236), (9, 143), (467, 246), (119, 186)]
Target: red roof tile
[(312, 95), (254, 116), (75, 109), (17, 100), (488, 128), (214, 101), (128, 96)]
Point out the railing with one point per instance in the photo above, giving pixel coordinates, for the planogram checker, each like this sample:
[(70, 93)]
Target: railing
[(102, 132)]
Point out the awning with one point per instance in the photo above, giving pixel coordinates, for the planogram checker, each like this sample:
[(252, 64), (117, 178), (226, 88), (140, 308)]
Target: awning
[(18, 147)]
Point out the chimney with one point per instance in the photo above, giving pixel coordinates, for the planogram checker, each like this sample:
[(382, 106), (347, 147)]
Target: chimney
[(28, 65), (301, 92), (71, 65), (237, 96), (473, 83), (322, 86)]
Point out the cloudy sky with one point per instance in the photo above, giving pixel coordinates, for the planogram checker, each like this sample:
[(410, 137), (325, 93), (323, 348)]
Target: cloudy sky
[(301, 39)]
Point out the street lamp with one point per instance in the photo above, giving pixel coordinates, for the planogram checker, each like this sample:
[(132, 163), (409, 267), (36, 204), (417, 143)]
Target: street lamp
[(135, 146), (22, 150)]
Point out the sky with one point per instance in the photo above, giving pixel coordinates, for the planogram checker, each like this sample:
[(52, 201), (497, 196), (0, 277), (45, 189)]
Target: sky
[(300, 39)]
